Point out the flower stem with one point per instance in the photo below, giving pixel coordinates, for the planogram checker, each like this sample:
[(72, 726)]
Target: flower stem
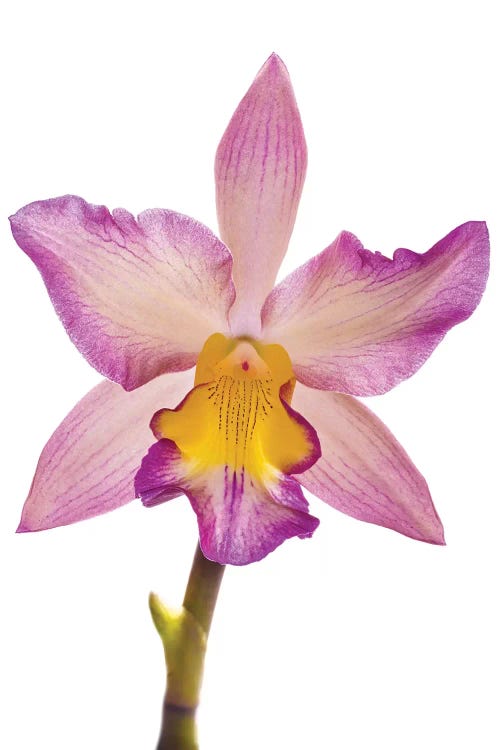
[(184, 635)]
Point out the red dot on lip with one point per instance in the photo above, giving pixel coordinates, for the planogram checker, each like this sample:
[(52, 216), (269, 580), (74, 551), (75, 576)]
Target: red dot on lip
[(245, 365)]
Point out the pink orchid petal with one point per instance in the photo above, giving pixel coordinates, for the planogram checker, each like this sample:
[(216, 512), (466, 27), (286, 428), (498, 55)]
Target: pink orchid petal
[(89, 464), (260, 168), (357, 322), (137, 297), (240, 520), (363, 470)]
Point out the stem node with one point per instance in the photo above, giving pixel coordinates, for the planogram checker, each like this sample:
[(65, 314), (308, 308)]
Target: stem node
[(184, 636)]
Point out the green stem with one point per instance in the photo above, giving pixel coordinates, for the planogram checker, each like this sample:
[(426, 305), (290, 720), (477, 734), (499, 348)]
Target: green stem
[(184, 635), (202, 589)]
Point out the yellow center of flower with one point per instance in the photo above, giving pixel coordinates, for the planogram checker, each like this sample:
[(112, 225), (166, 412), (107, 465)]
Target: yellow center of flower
[(235, 415)]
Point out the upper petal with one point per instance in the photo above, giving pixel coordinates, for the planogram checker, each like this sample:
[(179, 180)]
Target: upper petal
[(137, 297), (88, 465), (363, 470), (259, 171), (358, 322)]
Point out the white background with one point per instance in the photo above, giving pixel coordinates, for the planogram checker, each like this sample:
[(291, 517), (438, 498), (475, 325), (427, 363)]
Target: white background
[(358, 638)]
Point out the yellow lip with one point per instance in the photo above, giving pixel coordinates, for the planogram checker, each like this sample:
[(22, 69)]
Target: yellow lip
[(235, 415)]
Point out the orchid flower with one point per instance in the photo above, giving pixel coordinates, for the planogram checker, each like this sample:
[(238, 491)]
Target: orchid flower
[(271, 406)]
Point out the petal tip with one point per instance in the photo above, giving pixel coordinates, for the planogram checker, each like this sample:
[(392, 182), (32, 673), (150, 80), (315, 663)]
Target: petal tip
[(438, 538), (23, 527), (314, 523), (431, 531), (274, 58), (275, 61), (479, 229), (274, 68)]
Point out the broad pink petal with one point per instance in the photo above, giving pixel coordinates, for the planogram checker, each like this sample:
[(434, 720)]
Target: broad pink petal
[(240, 519), (260, 168), (363, 470), (357, 322), (137, 297), (89, 464)]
